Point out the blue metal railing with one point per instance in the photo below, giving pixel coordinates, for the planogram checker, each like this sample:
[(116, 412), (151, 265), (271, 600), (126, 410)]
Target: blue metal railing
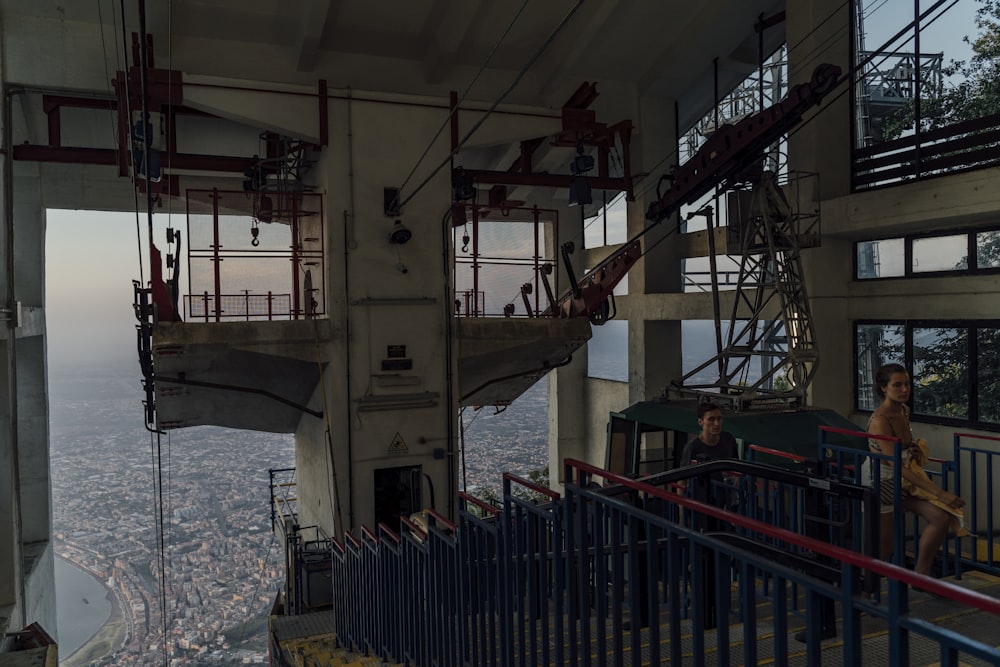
[(613, 574), (853, 462), (983, 466)]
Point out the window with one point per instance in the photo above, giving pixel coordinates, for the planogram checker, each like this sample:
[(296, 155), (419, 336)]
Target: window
[(940, 253), (884, 258), (876, 345), (954, 366), (988, 250), (923, 97), (941, 371), (987, 358), (928, 253), (607, 351), (608, 226)]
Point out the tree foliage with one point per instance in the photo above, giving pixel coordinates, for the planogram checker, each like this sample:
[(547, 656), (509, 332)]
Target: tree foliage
[(975, 88)]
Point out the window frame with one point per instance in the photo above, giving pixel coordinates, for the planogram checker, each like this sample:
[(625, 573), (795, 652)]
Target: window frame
[(972, 247), (972, 331)]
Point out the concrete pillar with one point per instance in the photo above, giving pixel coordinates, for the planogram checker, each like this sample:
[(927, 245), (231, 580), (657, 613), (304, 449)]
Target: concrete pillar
[(398, 417), (819, 31), (654, 346), (832, 386), (10, 537)]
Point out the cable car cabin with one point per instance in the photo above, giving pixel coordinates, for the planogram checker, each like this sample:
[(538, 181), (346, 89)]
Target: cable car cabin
[(648, 437)]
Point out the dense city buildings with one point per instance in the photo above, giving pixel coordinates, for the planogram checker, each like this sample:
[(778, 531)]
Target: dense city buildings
[(222, 571)]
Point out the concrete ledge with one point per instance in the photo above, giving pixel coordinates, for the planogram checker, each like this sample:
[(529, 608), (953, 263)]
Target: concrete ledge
[(500, 358)]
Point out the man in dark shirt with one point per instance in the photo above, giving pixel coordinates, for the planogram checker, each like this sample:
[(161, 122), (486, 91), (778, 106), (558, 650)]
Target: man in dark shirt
[(712, 444)]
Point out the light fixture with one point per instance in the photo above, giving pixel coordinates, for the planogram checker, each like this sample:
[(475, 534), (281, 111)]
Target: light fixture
[(400, 233)]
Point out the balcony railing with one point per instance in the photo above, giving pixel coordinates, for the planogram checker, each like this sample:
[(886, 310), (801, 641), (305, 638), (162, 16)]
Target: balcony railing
[(504, 264), (245, 266), (239, 306)]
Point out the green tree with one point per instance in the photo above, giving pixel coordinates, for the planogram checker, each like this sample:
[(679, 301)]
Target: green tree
[(975, 92)]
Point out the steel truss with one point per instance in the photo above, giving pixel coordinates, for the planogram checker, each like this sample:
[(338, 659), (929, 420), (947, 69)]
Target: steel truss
[(771, 323)]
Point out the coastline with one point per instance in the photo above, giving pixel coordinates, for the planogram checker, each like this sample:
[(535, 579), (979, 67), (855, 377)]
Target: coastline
[(108, 638)]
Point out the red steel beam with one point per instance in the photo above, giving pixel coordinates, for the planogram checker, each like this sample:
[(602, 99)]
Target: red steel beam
[(542, 180), (109, 156)]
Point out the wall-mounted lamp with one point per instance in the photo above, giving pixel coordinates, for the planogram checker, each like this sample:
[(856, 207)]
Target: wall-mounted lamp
[(400, 233)]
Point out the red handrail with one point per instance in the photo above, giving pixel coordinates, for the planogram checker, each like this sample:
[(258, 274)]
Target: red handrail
[(481, 504), (778, 452), (978, 436), (545, 491), (389, 531), (965, 596), (859, 434), (438, 517), (414, 528)]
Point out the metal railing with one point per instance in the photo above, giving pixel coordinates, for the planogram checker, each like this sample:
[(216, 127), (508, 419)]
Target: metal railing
[(612, 573), (244, 306), (853, 462), (983, 466), (243, 264), (307, 549), (284, 503), (962, 146), (501, 265)]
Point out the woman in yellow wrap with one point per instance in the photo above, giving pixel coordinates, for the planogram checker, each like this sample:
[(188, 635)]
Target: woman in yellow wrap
[(939, 508)]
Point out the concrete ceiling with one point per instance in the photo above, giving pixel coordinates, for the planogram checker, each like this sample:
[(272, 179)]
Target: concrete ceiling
[(662, 48)]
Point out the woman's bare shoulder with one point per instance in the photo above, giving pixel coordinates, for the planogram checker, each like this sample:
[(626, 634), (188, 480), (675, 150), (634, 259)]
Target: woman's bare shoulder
[(879, 424)]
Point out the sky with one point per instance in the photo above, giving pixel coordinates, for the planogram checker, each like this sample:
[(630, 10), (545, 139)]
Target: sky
[(91, 259)]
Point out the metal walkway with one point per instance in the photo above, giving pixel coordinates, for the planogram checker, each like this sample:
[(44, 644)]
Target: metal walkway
[(619, 571)]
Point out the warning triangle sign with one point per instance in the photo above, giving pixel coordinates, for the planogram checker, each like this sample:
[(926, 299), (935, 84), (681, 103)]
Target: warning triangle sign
[(397, 446)]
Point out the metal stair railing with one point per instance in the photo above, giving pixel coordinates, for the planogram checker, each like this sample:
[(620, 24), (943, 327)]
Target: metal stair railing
[(601, 576), (981, 468)]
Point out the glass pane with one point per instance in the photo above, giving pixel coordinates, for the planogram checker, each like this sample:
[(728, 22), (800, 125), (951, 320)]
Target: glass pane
[(988, 249), (988, 367), (941, 372), (886, 87), (697, 273), (966, 75), (880, 259), (941, 253), (698, 345), (607, 351), (617, 213), (877, 344), (593, 231), (609, 225)]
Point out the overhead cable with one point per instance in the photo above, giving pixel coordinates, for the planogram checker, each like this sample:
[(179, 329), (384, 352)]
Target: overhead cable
[(455, 109), (520, 75)]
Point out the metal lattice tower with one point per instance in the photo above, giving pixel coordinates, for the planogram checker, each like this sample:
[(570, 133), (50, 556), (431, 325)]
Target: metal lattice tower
[(771, 322)]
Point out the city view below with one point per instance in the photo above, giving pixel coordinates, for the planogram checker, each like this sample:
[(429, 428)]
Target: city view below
[(221, 563)]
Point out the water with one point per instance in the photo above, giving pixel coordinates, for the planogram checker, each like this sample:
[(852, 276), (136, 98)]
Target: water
[(82, 606)]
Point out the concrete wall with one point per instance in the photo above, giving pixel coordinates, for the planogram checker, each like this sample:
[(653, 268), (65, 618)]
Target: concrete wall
[(26, 560), (383, 296)]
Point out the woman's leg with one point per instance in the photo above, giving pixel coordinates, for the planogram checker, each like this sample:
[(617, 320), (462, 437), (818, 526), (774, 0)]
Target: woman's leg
[(938, 522), (885, 535)]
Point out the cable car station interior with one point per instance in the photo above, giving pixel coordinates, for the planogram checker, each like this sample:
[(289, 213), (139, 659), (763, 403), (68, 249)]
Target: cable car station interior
[(357, 222)]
